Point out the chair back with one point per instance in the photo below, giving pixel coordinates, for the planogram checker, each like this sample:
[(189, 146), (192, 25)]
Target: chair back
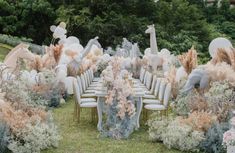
[(76, 92), (149, 80), (90, 75), (83, 82), (80, 84), (153, 84), (87, 78), (86, 81), (162, 90), (167, 95), (157, 86), (142, 72), (145, 77)]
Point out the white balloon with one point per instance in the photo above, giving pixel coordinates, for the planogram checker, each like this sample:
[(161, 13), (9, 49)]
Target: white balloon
[(218, 43), (147, 51), (72, 40), (52, 28), (59, 32), (165, 53)]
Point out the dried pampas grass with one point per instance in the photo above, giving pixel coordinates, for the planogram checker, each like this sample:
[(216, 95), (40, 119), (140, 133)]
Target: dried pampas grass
[(232, 57), (198, 103), (73, 68), (57, 52), (226, 55), (189, 60), (171, 78), (221, 56), (37, 64), (17, 119), (200, 121), (221, 71), (48, 59)]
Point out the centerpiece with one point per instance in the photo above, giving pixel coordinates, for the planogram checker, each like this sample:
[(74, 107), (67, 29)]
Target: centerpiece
[(121, 117)]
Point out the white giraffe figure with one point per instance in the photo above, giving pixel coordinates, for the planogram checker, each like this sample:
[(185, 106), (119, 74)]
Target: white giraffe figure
[(153, 40)]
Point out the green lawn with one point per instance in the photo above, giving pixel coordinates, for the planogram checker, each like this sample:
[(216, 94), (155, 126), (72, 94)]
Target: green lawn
[(4, 49), (84, 137)]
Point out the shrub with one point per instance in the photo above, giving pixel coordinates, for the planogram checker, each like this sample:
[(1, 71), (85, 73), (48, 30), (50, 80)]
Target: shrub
[(200, 121), (34, 138), (182, 137), (157, 128), (220, 99), (214, 138), (31, 129), (14, 41), (175, 134), (183, 101), (3, 137)]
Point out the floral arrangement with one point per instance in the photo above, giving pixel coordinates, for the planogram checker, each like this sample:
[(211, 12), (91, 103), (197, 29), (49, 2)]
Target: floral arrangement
[(121, 110), (203, 115), (213, 138), (229, 136), (220, 71), (26, 125), (175, 134), (189, 60), (199, 121), (102, 63), (30, 129)]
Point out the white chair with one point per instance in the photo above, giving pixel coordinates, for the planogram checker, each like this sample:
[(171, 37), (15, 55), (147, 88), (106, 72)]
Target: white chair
[(93, 83), (82, 102), (142, 73), (84, 86), (90, 85), (149, 94), (159, 92), (84, 95), (94, 79), (145, 77), (149, 80), (87, 81), (164, 106)]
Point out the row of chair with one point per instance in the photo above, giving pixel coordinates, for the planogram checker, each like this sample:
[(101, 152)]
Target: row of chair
[(84, 87), (157, 92)]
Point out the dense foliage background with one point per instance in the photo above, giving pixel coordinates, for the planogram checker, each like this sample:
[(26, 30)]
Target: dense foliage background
[(179, 23)]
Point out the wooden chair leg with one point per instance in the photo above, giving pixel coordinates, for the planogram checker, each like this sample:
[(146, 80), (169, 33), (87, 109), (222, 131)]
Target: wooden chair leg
[(161, 114), (75, 112), (147, 115), (78, 114), (92, 115), (144, 114)]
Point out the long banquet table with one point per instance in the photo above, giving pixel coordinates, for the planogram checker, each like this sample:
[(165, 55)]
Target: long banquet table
[(138, 95)]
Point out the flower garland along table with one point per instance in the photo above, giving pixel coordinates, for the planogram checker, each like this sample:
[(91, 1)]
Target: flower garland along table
[(118, 97), (101, 94)]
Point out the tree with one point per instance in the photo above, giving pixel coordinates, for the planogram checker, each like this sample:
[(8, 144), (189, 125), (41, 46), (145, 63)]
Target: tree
[(27, 18)]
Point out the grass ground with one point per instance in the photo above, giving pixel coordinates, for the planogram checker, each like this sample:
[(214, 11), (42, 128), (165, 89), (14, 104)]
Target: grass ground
[(84, 137), (4, 49)]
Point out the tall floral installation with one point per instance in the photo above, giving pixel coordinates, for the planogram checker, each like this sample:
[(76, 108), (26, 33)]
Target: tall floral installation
[(31, 85), (202, 107), (121, 109)]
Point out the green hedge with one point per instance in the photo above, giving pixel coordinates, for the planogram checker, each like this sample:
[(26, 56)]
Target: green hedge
[(14, 41)]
